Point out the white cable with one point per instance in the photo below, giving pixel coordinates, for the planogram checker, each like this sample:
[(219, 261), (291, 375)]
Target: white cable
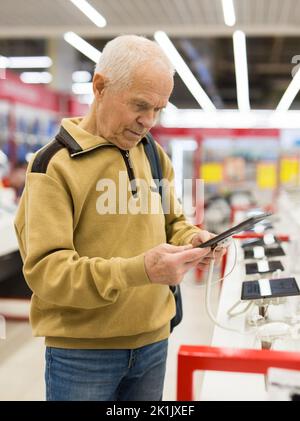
[(208, 292), (266, 333), (231, 313), (225, 276), (207, 300)]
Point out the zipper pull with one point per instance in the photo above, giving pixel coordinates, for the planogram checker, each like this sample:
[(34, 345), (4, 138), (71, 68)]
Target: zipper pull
[(128, 159)]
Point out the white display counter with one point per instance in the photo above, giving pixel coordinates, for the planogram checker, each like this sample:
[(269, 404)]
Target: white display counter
[(237, 386)]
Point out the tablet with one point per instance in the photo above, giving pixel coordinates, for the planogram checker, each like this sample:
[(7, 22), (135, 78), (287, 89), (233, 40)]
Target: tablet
[(267, 240), (243, 226), (269, 288), (263, 267), (260, 252)]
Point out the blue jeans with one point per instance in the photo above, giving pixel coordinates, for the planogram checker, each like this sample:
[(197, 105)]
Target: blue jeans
[(106, 374)]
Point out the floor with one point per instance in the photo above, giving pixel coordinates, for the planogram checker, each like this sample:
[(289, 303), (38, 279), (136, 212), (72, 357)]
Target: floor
[(22, 356)]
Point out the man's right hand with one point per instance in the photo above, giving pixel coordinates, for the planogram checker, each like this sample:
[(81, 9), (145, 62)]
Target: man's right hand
[(167, 264)]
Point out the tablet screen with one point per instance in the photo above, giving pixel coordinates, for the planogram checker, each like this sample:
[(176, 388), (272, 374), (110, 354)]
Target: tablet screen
[(269, 288), (243, 226)]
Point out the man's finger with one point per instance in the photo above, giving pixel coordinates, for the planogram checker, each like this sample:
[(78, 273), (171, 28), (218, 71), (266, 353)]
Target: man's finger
[(177, 249), (191, 255), (216, 253), (208, 259), (191, 265), (203, 236)]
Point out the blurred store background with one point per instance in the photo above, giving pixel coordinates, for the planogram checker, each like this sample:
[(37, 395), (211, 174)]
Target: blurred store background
[(233, 120)]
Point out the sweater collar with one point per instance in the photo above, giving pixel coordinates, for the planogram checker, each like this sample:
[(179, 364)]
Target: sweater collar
[(78, 140)]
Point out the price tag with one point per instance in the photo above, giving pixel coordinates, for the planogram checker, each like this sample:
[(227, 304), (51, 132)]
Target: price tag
[(263, 266), (258, 252), (264, 287), (269, 239)]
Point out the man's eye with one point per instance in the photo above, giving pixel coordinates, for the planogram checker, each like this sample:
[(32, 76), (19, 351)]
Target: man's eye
[(141, 106)]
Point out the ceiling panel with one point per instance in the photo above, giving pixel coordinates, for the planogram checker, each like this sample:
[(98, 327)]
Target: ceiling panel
[(37, 12), (272, 28), (177, 17)]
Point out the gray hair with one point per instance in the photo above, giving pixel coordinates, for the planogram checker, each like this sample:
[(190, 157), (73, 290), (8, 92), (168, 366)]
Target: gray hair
[(125, 54)]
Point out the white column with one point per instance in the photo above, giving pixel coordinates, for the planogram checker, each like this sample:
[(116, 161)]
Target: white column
[(64, 64)]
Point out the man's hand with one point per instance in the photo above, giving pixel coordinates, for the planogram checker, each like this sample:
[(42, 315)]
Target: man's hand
[(217, 253), (167, 264)]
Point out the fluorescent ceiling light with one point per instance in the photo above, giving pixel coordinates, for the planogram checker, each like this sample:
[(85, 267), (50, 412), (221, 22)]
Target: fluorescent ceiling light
[(90, 12), (29, 62), (241, 70), (81, 45), (231, 119), (3, 65), (3, 62), (184, 71), (81, 76), (285, 119), (171, 106), (290, 93), (36, 77), (82, 88), (86, 99), (229, 13)]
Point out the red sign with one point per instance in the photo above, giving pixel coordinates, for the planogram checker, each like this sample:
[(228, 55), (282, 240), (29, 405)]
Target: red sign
[(13, 89)]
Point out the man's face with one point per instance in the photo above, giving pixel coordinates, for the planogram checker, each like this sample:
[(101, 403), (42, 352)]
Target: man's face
[(124, 117)]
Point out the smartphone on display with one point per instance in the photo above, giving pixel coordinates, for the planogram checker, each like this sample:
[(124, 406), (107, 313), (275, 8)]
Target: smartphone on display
[(242, 226), (266, 252), (266, 240), (263, 267), (269, 288)]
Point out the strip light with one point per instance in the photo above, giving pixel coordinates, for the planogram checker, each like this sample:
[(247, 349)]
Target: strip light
[(3, 62), (195, 118), (82, 88), (90, 12), (81, 45), (86, 99), (81, 76), (36, 77), (290, 93), (3, 65), (229, 13), (171, 106), (241, 70), (40, 62), (184, 71)]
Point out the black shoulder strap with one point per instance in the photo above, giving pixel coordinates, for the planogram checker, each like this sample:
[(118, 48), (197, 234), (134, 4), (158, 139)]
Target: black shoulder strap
[(154, 161), (44, 156), (157, 175)]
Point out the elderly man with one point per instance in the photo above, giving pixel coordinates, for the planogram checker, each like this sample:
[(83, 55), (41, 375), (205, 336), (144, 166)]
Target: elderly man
[(100, 274)]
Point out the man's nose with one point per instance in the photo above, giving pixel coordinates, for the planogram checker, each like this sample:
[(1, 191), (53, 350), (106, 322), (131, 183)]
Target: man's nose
[(147, 119)]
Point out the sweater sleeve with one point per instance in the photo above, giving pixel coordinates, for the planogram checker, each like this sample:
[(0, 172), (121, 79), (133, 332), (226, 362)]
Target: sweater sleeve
[(52, 268), (179, 231)]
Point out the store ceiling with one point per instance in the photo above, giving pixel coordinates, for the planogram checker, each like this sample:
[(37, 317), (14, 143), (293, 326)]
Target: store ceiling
[(195, 26)]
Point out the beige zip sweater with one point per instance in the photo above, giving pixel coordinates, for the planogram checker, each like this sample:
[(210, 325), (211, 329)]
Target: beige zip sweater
[(86, 268)]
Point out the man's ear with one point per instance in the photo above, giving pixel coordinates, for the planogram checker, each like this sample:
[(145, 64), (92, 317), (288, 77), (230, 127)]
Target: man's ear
[(99, 82)]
